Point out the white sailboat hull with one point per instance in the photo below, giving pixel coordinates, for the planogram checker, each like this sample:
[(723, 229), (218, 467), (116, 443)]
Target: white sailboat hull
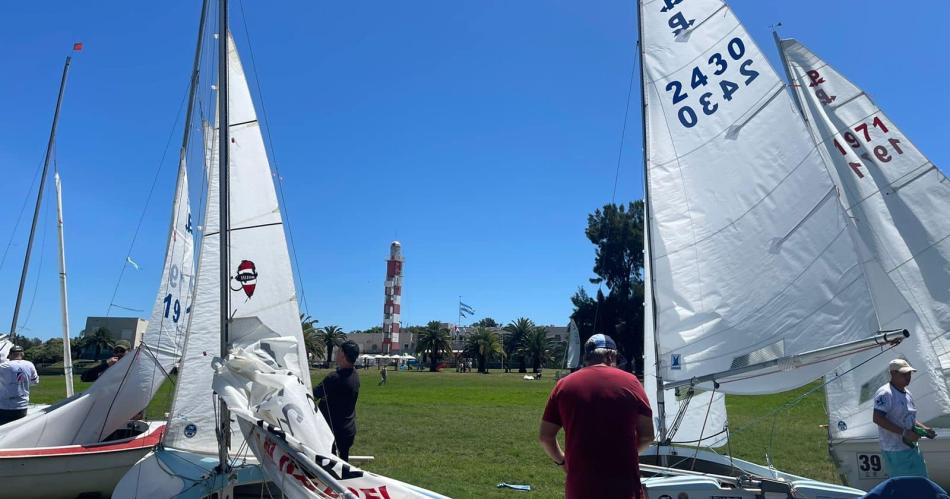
[(709, 475), (861, 463), (187, 475), (71, 470)]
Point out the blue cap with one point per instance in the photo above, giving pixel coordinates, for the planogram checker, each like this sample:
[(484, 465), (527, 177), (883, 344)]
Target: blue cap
[(600, 341)]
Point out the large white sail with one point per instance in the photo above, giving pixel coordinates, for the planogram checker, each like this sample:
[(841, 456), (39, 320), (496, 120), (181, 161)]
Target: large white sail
[(262, 295), (704, 416), (127, 387), (898, 203), (752, 260)]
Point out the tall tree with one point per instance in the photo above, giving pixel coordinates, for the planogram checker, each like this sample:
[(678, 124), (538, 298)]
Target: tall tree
[(517, 330), (486, 322), (330, 336), (536, 348), (617, 234), (484, 345), (434, 344), (311, 338)]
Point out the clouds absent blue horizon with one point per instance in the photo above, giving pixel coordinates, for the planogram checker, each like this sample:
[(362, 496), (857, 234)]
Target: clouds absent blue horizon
[(480, 134)]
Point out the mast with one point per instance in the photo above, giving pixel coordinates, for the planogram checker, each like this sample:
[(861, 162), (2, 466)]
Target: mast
[(39, 199), (224, 430), (660, 403), (63, 300), (788, 76)]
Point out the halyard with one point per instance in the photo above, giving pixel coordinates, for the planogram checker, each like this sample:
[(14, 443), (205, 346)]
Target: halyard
[(462, 434)]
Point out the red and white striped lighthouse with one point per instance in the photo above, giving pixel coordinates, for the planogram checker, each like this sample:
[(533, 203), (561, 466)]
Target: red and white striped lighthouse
[(393, 299)]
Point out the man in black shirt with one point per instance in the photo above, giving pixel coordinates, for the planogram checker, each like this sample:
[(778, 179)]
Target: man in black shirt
[(337, 394)]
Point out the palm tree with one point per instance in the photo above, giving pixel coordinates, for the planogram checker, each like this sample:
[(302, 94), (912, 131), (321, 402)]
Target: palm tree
[(484, 345), (517, 330), (330, 336), (433, 342), (537, 347), (101, 340), (311, 339)]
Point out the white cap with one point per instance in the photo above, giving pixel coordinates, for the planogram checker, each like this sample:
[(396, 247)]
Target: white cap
[(901, 366)]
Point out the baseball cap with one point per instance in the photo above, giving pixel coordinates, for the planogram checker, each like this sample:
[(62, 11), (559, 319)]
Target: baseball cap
[(122, 344), (350, 349), (599, 341), (16, 348), (901, 366)]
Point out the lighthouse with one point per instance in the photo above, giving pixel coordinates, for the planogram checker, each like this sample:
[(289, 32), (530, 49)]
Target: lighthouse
[(393, 299)]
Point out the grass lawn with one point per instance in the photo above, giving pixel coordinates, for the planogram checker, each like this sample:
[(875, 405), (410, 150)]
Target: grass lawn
[(462, 434)]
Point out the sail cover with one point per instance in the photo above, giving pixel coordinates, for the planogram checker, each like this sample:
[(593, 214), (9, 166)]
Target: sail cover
[(752, 260), (126, 387), (898, 201), (262, 295)]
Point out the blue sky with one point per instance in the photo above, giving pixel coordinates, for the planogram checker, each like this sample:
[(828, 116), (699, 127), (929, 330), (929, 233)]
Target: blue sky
[(478, 133)]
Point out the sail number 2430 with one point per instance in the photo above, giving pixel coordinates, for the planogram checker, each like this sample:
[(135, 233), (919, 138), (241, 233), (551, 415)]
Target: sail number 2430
[(709, 101)]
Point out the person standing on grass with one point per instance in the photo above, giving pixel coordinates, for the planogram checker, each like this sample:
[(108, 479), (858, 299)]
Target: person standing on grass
[(337, 394), (382, 377), (896, 418), (607, 422), (16, 376)]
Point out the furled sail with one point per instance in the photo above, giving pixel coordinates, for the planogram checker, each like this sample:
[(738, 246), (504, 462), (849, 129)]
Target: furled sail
[(752, 260), (262, 295), (898, 202), (126, 387), (573, 358)]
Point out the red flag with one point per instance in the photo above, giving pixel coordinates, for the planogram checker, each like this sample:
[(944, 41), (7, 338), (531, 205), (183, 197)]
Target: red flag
[(77, 46)]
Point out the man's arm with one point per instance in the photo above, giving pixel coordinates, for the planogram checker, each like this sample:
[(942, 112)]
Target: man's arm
[(880, 419), (645, 431), (547, 436)]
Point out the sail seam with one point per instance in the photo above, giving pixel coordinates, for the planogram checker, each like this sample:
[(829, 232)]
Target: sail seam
[(775, 297), (689, 63)]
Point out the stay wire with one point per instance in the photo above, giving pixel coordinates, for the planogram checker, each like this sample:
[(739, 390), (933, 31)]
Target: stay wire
[(39, 266), (148, 199), (273, 154), (19, 218), (613, 194)]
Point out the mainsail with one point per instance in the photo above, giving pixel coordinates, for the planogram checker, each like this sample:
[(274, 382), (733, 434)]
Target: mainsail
[(751, 257), (263, 299), (898, 202), (127, 387)]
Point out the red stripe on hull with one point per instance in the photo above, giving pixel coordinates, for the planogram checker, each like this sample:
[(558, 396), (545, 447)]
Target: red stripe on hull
[(150, 440)]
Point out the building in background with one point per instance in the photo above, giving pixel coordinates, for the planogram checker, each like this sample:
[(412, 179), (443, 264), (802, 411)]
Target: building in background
[(393, 299), (129, 329)]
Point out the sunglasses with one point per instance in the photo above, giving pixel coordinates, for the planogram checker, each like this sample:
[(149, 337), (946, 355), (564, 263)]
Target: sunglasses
[(118, 350)]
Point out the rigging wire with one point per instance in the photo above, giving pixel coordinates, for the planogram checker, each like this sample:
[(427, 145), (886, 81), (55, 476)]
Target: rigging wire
[(148, 199), (39, 265), (279, 180), (19, 218), (613, 194)]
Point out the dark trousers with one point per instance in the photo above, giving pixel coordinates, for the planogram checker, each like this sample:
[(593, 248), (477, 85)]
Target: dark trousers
[(7, 415), (341, 446)]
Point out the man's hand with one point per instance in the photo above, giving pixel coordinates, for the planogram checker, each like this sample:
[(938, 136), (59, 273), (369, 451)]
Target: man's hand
[(111, 361), (911, 436)]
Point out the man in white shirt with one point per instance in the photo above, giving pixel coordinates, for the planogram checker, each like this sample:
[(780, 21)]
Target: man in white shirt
[(16, 376), (896, 418)]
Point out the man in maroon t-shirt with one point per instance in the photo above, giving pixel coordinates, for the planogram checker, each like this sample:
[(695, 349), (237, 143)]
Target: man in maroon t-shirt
[(607, 421)]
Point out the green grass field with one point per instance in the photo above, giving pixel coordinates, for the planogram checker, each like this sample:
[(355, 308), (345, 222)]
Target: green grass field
[(462, 434)]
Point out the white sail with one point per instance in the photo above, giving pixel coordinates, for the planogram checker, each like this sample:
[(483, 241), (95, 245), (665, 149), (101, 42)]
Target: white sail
[(704, 417), (573, 359), (752, 260), (262, 297), (898, 203), (127, 387)]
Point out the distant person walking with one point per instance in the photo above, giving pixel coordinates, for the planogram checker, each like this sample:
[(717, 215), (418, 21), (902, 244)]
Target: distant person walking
[(118, 351), (337, 394), (382, 377), (607, 422), (898, 428), (16, 377)]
